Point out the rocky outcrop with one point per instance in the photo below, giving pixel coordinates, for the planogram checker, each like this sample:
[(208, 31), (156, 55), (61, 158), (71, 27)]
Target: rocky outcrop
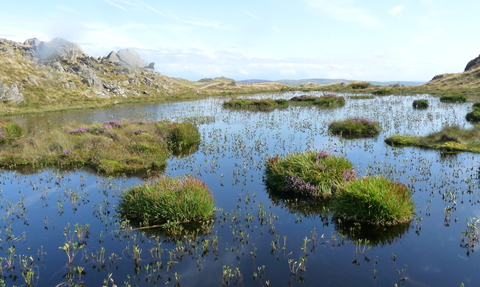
[(472, 64), (11, 94), (129, 58), (58, 49)]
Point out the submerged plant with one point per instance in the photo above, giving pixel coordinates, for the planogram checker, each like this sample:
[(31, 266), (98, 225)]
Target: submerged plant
[(310, 174), (375, 200)]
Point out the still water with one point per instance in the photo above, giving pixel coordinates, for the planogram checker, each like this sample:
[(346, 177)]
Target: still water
[(257, 239)]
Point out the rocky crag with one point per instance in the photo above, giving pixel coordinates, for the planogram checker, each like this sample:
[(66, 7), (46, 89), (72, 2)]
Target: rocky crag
[(60, 74)]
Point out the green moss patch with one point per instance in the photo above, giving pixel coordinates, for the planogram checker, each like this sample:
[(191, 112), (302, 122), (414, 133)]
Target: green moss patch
[(375, 200), (355, 127)]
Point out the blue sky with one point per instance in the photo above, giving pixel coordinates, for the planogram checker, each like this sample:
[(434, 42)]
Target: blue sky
[(375, 40)]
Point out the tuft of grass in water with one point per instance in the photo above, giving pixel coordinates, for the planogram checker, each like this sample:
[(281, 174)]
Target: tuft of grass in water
[(9, 131), (382, 92), (255, 104), (449, 139), (453, 98), (420, 104), (309, 174), (180, 200), (358, 127), (375, 200), (110, 147)]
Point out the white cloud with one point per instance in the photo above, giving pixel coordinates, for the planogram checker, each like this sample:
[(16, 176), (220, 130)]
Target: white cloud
[(250, 14), (115, 5), (396, 11), (345, 10)]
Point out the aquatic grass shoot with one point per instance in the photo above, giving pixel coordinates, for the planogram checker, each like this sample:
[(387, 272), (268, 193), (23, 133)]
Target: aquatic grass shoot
[(375, 200)]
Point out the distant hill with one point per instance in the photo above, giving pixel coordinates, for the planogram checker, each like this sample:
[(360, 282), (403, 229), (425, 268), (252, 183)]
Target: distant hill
[(327, 82)]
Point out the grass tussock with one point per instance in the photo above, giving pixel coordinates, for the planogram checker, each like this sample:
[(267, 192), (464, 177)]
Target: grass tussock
[(355, 127), (309, 174), (420, 104), (326, 101), (168, 201), (375, 200), (254, 104), (109, 147), (453, 98), (449, 139), (474, 116)]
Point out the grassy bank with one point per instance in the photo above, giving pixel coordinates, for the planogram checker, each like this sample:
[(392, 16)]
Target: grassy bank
[(449, 139), (109, 147)]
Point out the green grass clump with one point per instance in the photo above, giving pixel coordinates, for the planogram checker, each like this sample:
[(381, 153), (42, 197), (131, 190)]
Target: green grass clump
[(359, 85), (473, 116), (181, 200), (355, 127), (9, 131), (309, 174), (329, 101), (453, 98), (382, 92), (255, 104), (449, 139), (420, 104), (110, 147), (375, 200)]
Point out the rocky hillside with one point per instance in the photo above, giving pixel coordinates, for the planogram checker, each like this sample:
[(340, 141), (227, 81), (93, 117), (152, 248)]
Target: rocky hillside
[(39, 76), (467, 81)]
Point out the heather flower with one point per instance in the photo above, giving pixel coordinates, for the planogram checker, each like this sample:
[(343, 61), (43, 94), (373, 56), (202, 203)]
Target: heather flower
[(67, 152), (322, 154), (349, 174), (3, 135), (79, 131), (298, 185)]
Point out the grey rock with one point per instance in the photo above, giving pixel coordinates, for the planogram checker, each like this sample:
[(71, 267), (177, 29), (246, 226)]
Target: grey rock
[(92, 82), (33, 80), (127, 57), (58, 49), (233, 84), (151, 66), (57, 66), (205, 80), (69, 85), (11, 94)]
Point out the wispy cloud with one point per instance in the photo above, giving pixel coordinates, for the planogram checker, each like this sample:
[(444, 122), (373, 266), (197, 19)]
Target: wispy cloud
[(151, 8), (396, 11), (250, 14), (201, 22), (344, 10), (115, 5)]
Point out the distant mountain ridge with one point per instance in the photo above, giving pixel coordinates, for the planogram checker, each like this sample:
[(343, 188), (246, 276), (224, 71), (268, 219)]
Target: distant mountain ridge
[(327, 81)]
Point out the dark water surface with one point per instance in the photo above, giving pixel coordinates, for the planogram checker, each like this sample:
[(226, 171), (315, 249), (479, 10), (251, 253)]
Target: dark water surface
[(257, 239)]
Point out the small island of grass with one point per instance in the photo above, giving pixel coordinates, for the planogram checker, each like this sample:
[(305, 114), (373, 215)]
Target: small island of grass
[(172, 203), (449, 139), (317, 182), (420, 104), (109, 147), (374, 200), (355, 127), (326, 101), (453, 98), (309, 174)]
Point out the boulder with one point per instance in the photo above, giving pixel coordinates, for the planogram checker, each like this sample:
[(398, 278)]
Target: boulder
[(126, 57), (92, 81), (11, 94), (58, 49), (438, 77)]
